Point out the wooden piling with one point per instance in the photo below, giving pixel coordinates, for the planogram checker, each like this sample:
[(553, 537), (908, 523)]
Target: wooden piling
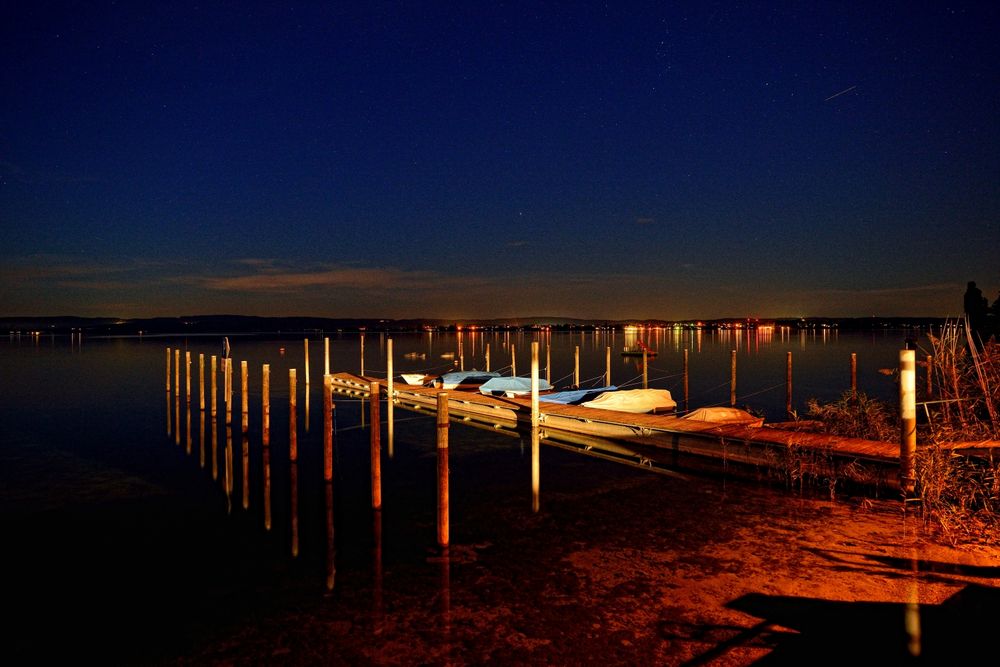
[(376, 447), (362, 373), (487, 357), (229, 390), (645, 370), (168, 369), (513, 361), (732, 378), (390, 394), (535, 442), (854, 373), (607, 365), (187, 376), (305, 344), (177, 372), (215, 448), (788, 383), (265, 399), (201, 382), (245, 397), (548, 363), (686, 394), (576, 367), (328, 427), (293, 441), (907, 420), (326, 356), (442, 470), (215, 387), (201, 439)]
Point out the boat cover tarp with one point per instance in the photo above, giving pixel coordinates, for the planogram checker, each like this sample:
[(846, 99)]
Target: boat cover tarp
[(575, 396), (724, 416), (415, 378), (511, 385), (633, 400), (454, 378)]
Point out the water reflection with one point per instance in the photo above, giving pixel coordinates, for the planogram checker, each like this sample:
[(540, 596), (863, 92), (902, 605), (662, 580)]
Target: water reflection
[(294, 506), (331, 551), (246, 471), (228, 481), (267, 487), (215, 448), (201, 438)]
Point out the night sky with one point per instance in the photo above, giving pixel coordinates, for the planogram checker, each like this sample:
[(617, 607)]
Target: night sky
[(353, 159)]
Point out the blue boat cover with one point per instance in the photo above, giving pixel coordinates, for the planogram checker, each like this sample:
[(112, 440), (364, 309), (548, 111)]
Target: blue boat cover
[(514, 385), (575, 396), (455, 378)]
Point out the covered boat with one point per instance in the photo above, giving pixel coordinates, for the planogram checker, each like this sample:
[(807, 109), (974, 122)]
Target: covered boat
[(575, 396), (634, 400), (725, 416), (511, 386), (459, 379)]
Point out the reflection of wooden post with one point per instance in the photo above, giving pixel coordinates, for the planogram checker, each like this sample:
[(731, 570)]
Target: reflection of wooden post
[(267, 488), (390, 394), (187, 376), (201, 382), (326, 356), (442, 469), (246, 471), (305, 344), (607, 364), (328, 427), (788, 383), (535, 443), (854, 373), (930, 376), (294, 478), (168, 369), (376, 447), (215, 386), (331, 568), (907, 420), (645, 370), (686, 396), (487, 358), (201, 439), (265, 399), (293, 443), (215, 448), (576, 367), (732, 378)]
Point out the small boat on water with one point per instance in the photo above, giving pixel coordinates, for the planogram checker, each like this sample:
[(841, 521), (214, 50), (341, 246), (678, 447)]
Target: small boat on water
[(418, 379), (415, 355)]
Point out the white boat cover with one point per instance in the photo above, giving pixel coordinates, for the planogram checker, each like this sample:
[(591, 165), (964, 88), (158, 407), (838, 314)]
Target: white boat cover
[(724, 416), (414, 378), (634, 400)]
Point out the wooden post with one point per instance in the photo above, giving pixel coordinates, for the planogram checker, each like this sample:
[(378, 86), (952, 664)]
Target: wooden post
[(362, 354), (187, 376), (390, 394), (513, 361), (487, 357), (732, 378), (326, 356), (376, 447), (215, 386), (305, 344), (645, 370), (576, 367), (229, 391), (442, 470), (293, 443), (265, 399), (535, 443), (177, 372), (245, 397), (930, 376), (686, 395), (607, 365), (548, 363), (328, 427), (907, 420), (201, 382), (788, 383), (854, 373), (168, 369)]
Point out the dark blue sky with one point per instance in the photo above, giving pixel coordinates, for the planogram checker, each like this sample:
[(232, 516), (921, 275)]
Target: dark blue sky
[(671, 160)]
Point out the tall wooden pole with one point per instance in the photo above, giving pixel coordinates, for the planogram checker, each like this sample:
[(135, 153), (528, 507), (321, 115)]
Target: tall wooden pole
[(930, 376), (548, 363), (686, 395), (293, 441), (201, 382), (732, 378), (265, 399), (607, 364), (177, 372), (328, 427), (443, 526), (244, 397), (487, 357), (187, 376), (854, 373), (362, 354), (305, 344), (390, 395), (326, 356), (513, 361), (907, 420), (788, 383), (168, 369), (376, 447), (535, 441), (214, 372), (576, 367), (645, 370)]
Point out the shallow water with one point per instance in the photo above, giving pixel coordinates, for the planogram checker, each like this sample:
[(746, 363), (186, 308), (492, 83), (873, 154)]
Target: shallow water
[(124, 544)]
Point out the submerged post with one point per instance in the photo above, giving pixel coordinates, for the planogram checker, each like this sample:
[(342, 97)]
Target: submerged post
[(732, 378), (442, 470), (535, 444), (327, 427), (376, 447), (265, 399), (788, 383), (854, 373), (907, 420), (244, 397), (576, 367), (293, 442)]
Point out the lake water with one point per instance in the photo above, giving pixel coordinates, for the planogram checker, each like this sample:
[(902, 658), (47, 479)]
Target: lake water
[(130, 542)]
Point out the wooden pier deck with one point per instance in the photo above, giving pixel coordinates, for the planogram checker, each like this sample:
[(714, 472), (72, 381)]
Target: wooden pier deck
[(728, 442)]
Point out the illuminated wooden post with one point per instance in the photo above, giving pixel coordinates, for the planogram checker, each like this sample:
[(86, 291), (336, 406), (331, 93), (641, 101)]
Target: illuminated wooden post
[(229, 390), (576, 367), (215, 386), (907, 420), (487, 359), (326, 356), (293, 443), (305, 344), (930, 376), (376, 447), (854, 373), (442, 470), (535, 444), (548, 364), (607, 365), (390, 394), (265, 399), (686, 396), (788, 383), (177, 396), (168, 369), (461, 353), (328, 427), (177, 372), (245, 397), (513, 361), (645, 369), (362, 354), (201, 382), (187, 376), (732, 378)]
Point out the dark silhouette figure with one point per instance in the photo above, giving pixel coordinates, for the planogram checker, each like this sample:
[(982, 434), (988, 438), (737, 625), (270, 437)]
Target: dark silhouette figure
[(975, 305)]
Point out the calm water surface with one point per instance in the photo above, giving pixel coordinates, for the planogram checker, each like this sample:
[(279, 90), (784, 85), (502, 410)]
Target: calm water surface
[(136, 542)]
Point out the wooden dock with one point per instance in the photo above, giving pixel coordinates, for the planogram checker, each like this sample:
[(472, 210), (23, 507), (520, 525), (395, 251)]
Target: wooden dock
[(869, 461)]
